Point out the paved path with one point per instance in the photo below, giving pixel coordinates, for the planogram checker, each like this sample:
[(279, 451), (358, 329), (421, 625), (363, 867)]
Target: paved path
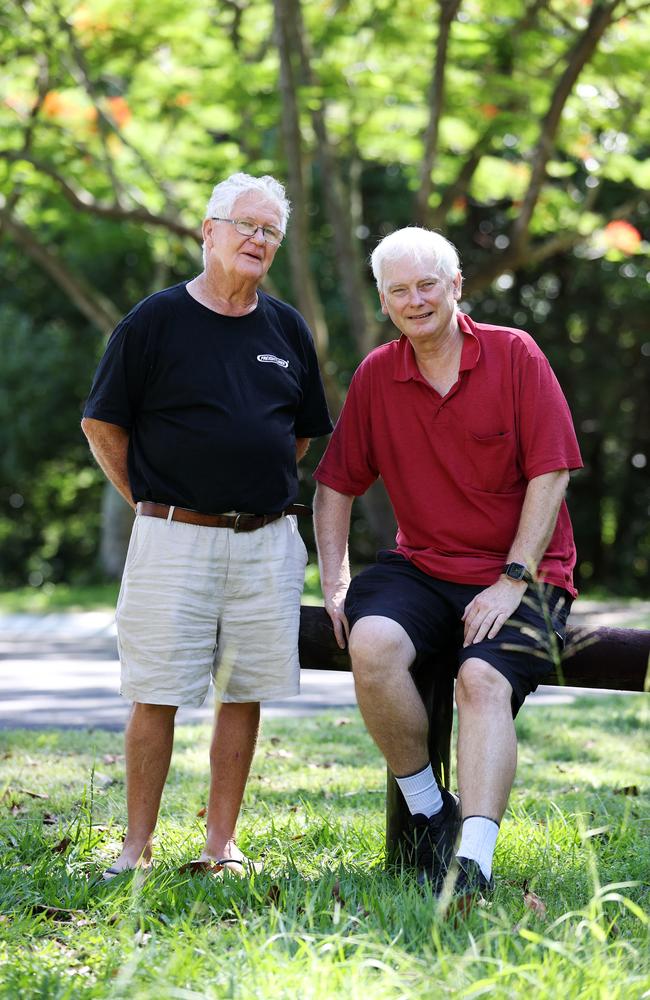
[(62, 670)]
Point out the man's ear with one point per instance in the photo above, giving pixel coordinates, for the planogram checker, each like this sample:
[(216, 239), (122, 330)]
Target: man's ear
[(206, 229), (458, 285), (383, 304)]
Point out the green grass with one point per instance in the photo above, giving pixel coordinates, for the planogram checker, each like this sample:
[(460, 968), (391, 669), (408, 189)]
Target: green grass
[(59, 597), (325, 920)]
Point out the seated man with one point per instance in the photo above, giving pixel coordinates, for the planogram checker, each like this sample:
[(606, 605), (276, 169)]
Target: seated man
[(469, 429)]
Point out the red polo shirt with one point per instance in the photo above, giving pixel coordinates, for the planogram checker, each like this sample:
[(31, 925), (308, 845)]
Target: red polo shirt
[(456, 467)]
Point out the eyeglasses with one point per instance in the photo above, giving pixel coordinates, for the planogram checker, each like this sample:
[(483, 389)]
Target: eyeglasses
[(249, 228)]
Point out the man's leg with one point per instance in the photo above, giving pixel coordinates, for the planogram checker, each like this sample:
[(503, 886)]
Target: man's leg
[(381, 654), (487, 757), (231, 754), (148, 743)]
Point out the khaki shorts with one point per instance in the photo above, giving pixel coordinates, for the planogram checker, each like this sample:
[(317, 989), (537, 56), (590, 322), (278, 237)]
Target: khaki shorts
[(199, 602)]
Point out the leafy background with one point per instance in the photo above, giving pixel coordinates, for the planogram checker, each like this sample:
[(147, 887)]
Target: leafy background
[(522, 134)]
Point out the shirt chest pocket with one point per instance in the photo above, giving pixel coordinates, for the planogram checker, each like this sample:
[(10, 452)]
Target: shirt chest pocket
[(491, 462)]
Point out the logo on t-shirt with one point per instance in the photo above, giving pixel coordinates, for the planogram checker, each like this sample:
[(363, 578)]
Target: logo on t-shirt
[(271, 359)]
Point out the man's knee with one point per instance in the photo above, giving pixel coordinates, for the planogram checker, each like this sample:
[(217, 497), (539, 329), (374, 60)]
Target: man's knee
[(479, 683), (377, 646), (141, 712)]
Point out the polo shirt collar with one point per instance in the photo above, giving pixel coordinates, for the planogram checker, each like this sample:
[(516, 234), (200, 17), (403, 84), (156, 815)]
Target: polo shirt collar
[(406, 369)]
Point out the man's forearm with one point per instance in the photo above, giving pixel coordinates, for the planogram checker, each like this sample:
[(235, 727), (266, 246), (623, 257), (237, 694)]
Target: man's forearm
[(109, 444), (538, 518), (332, 527)]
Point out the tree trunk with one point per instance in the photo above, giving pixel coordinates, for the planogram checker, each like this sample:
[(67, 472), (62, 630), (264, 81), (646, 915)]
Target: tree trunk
[(117, 521)]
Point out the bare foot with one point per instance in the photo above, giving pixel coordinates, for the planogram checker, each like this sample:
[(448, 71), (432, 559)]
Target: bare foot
[(230, 857), (130, 858)]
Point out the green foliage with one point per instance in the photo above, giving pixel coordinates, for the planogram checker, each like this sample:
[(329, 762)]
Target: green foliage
[(116, 113)]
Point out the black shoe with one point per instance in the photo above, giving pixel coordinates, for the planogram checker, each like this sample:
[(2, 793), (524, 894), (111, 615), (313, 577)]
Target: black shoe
[(470, 885), (431, 842)]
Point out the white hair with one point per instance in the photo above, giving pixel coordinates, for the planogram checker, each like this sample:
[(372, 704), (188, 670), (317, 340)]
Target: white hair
[(418, 244), (226, 193)]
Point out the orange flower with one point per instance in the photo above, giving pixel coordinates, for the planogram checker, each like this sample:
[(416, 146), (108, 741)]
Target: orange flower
[(53, 104), (183, 99), (623, 236), (120, 110), (489, 110)]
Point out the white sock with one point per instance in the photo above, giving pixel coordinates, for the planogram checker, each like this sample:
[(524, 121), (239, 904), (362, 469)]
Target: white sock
[(421, 792), (477, 841)]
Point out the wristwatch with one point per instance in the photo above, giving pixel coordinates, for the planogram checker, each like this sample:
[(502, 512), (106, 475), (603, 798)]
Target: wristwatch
[(517, 571)]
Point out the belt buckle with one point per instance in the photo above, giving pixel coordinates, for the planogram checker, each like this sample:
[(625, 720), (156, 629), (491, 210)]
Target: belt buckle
[(235, 526)]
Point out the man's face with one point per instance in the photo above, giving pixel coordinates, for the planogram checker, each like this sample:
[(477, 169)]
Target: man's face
[(244, 257), (419, 298)]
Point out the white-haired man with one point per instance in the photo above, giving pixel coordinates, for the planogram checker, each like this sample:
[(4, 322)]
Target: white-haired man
[(206, 397), (469, 429)]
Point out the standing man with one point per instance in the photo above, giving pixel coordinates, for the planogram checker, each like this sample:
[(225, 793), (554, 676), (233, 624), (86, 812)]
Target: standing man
[(205, 399), (469, 429)]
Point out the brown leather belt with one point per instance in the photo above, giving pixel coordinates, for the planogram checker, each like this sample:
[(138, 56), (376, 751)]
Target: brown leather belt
[(238, 522)]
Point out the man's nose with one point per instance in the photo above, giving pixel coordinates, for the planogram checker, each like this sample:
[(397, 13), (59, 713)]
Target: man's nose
[(415, 297), (258, 236)]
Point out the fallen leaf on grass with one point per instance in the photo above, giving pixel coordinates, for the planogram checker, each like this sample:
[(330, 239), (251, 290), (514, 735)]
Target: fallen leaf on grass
[(32, 794), (336, 893), (285, 754), (113, 758), (49, 819), (343, 721), (6, 755), (203, 811), (62, 845), (16, 810), (535, 904), (627, 790)]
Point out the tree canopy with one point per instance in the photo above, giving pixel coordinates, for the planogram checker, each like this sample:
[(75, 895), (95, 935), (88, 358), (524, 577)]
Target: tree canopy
[(522, 134)]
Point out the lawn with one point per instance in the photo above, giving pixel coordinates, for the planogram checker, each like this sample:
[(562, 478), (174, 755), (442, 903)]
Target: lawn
[(325, 919)]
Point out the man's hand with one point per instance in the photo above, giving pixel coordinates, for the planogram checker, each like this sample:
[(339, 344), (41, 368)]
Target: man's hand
[(334, 603), (489, 610)]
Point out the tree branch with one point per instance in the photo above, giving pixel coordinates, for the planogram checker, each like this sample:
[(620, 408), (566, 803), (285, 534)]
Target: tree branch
[(436, 97), (298, 243), (362, 325), (85, 202), (96, 307), (580, 54)]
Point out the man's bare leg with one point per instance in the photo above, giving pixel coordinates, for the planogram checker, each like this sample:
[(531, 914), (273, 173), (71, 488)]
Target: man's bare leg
[(148, 743), (487, 744), (381, 654), (231, 754)]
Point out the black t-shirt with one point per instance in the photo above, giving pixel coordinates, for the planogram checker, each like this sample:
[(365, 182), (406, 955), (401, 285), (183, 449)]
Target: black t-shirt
[(213, 403)]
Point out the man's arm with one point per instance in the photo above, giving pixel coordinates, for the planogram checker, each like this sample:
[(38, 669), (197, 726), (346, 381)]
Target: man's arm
[(109, 444), (332, 527), (302, 444), (490, 609)]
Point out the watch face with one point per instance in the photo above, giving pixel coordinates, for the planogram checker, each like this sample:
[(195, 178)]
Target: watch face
[(515, 571)]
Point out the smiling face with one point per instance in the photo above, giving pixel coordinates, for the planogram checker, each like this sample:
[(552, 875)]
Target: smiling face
[(420, 298), (238, 258)]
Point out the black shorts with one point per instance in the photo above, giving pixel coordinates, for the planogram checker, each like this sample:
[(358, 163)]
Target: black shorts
[(430, 612)]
